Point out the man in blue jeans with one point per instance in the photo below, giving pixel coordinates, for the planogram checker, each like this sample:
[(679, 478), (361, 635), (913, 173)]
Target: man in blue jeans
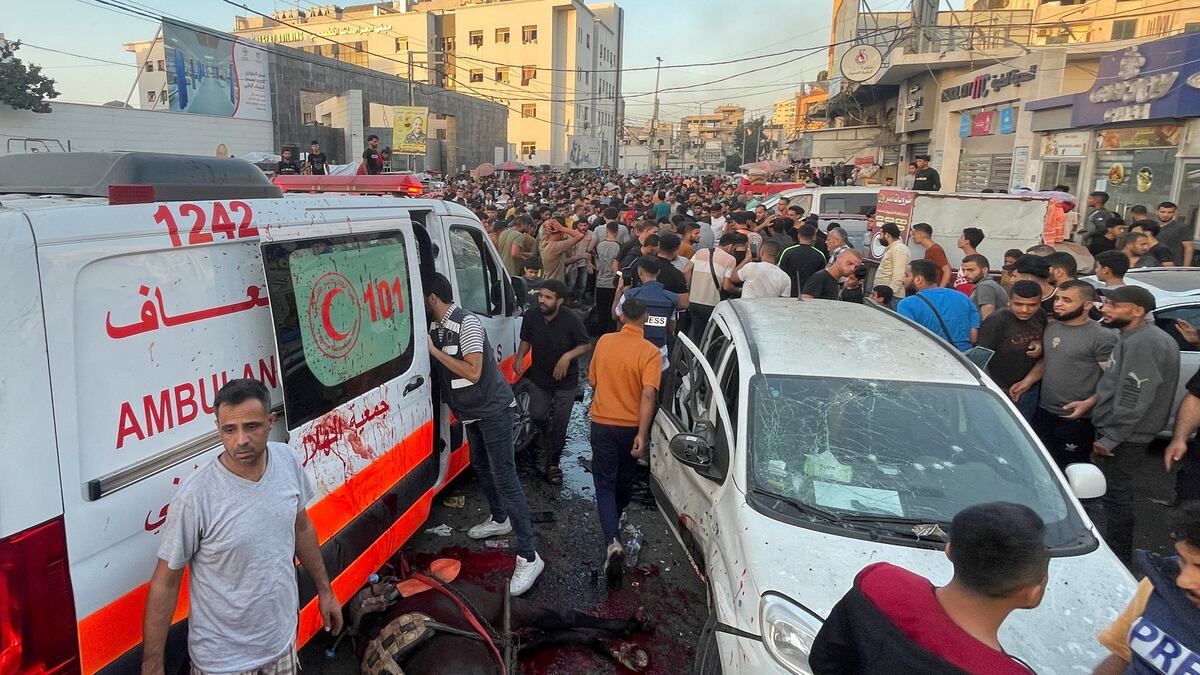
[(625, 373), (479, 396)]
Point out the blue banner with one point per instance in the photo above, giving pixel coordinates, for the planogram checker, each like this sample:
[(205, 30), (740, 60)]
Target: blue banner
[(1008, 120), (964, 125)]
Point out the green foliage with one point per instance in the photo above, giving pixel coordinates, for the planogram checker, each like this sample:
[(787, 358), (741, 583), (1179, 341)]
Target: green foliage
[(756, 144), (22, 86)]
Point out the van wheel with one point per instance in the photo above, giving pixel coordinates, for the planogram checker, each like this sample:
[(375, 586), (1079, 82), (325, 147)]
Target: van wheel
[(522, 420), (708, 656)]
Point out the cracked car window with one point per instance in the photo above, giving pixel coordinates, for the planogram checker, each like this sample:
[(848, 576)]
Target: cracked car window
[(897, 449)]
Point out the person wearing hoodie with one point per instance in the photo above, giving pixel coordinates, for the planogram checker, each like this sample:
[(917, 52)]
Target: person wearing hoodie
[(896, 621)]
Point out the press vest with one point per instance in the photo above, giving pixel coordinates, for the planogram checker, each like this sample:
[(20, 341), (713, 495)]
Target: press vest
[(1166, 637), (660, 307), (469, 401)]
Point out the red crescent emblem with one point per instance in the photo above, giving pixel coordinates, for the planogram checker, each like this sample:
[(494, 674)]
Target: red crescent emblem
[(327, 319)]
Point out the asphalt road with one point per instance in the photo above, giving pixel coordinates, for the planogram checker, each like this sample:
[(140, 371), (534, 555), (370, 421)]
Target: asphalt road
[(572, 546)]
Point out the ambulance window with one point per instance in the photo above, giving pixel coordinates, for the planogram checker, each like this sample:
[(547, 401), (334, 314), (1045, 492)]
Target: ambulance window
[(478, 284), (343, 321)]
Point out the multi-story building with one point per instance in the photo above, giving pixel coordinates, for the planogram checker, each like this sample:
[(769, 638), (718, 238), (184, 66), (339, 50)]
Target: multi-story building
[(719, 125), (556, 64), (783, 113)]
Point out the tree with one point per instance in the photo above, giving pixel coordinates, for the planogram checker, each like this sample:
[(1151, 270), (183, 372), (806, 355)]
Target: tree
[(757, 144), (23, 87)]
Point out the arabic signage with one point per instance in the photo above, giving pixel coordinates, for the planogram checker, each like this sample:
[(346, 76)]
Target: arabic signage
[(301, 36), (212, 73), (584, 152), (1128, 138), (354, 299), (1066, 144), (892, 206), (985, 84), (410, 129), (860, 63), (1153, 80)]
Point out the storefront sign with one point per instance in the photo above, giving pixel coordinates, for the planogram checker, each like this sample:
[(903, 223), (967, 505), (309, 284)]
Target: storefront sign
[(982, 85), (1020, 166), (1066, 144), (1008, 120), (1158, 136), (1142, 82), (861, 62), (964, 125), (892, 206), (914, 103), (301, 36), (981, 123)]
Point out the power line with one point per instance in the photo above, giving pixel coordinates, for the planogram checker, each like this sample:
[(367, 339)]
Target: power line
[(78, 56)]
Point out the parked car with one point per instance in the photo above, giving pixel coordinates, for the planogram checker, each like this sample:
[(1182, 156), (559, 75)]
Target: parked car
[(856, 200), (1177, 295), (784, 476)]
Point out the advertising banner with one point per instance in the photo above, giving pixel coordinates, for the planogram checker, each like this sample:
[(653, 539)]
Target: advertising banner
[(211, 73), (1008, 120), (1158, 136), (981, 123), (584, 152), (410, 129), (1153, 80)]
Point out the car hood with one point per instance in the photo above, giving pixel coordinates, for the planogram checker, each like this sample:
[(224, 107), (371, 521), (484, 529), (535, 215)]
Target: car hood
[(816, 569)]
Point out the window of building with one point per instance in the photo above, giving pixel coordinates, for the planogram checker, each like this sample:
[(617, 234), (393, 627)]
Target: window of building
[(528, 149), (475, 38), (402, 43), (528, 73), (587, 39), (149, 66), (579, 35), (162, 96), (502, 75), (162, 66), (528, 110), (152, 96), (328, 367), (477, 75), (502, 35), (448, 44), (528, 34), (1191, 27), (1124, 29)]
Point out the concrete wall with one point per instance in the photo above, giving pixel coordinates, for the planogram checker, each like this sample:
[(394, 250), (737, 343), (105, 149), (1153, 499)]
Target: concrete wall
[(98, 128), (480, 125)]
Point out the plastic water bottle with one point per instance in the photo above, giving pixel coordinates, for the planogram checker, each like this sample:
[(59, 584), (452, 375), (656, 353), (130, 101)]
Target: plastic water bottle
[(632, 549)]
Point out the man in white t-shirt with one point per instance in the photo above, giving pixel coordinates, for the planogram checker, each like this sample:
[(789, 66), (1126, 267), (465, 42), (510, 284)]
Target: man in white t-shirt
[(238, 523), (706, 273), (762, 279)]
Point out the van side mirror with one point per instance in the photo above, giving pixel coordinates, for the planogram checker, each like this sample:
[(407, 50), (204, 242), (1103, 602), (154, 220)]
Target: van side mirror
[(1086, 481), (521, 289)]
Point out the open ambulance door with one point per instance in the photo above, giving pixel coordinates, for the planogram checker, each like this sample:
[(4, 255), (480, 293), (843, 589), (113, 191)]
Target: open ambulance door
[(349, 324)]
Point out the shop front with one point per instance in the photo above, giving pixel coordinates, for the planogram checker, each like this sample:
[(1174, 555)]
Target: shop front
[(1133, 134)]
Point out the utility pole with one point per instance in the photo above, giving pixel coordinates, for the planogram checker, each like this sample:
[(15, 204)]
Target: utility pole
[(654, 117)]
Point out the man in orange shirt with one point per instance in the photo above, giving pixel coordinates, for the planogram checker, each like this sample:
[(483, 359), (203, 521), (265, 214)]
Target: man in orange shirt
[(624, 373)]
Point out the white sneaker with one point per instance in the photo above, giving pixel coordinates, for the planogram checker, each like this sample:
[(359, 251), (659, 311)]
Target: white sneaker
[(614, 562), (490, 528), (525, 574)]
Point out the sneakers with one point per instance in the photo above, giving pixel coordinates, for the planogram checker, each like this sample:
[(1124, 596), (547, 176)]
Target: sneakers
[(525, 574), (490, 528), (614, 562)]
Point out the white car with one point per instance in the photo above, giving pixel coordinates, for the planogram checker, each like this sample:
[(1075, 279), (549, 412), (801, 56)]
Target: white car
[(1176, 293), (851, 199), (803, 441)]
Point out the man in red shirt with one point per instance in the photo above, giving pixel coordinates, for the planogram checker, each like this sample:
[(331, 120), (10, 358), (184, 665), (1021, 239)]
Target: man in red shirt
[(895, 621), (922, 235)]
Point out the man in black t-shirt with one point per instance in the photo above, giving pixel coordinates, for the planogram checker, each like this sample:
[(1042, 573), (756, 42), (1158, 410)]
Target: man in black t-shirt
[(803, 259), (558, 339), (372, 164), (825, 284), (316, 159), (287, 166), (926, 178), (1015, 335)]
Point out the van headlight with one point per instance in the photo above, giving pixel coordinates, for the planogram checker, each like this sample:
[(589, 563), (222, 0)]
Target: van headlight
[(788, 631)]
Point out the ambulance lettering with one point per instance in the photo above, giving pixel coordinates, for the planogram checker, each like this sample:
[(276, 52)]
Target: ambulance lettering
[(203, 221), (1158, 649), (183, 403)]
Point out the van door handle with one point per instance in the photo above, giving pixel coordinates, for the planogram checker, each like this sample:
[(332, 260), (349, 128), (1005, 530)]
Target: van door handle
[(413, 385)]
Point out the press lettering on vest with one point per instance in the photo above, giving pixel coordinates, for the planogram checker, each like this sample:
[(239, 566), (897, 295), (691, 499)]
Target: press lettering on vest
[(1162, 651)]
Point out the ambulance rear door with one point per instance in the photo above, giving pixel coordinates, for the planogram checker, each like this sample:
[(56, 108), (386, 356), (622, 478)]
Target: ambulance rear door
[(349, 320)]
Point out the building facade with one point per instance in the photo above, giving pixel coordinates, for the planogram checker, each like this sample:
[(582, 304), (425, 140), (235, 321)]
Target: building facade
[(554, 64)]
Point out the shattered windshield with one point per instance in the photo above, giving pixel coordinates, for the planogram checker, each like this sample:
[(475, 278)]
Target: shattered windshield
[(897, 450)]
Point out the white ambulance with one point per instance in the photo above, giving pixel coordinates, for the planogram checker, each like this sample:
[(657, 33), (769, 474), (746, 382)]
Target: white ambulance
[(133, 285)]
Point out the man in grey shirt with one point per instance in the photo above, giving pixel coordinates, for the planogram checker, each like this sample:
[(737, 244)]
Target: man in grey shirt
[(987, 295), (1132, 404), (238, 523), (1075, 351), (1174, 234)]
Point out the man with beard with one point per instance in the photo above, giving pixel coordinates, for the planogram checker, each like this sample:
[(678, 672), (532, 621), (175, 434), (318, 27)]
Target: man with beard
[(1075, 351), (945, 312), (1131, 405), (987, 294), (894, 262), (1014, 334), (558, 340), (1161, 625)]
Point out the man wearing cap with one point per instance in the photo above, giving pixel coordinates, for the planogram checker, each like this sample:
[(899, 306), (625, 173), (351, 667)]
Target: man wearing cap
[(894, 261), (926, 177), (1036, 269), (1131, 405)]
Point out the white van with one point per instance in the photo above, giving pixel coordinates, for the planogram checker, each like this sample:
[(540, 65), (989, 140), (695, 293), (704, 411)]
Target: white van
[(849, 199), (136, 285)]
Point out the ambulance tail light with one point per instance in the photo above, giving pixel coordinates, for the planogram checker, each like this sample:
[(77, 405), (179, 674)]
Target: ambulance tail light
[(37, 607), (130, 194)]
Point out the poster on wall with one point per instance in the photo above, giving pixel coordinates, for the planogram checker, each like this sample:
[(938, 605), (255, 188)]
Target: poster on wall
[(584, 152), (1066, 144), (1157, 136), (211, 73), (410, 129)]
